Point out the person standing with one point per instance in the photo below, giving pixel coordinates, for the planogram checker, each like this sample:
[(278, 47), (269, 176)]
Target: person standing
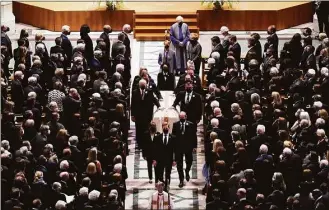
[(142, 103), (186, 144), (127, 30), (166, 79), (168, 57), (105, 36), (322, 13), (272, 40), (163, 155), (179, 36), (5, 41), (226, 42), (194, 51), (160, 199), (191, 103), (66, 45), (89, 49), (236, 49)]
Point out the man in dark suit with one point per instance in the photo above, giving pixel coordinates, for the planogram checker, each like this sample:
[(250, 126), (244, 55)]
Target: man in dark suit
[(252, 53), (217, 203), (166, 79), (218, 47), (195, 80), (240, 205), (105, 36), (71, 107), (127, 30), (142, 104), (118, 47), (163, 154), (17, 92), (191, 103), (66, 45), (236, 49), (271, 31), (322, 12), (5, 41), (186, 144)]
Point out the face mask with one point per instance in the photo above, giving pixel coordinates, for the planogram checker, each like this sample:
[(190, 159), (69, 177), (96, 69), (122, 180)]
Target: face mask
[(68, 33), (167, 46), (165, 69), (182, 120), (188, 90), (180, 23), (153, 129), (165, 130), (143, 87), (7, 29), (43, 38)]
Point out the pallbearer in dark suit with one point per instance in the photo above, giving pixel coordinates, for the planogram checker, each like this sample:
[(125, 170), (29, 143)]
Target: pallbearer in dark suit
[(185, 144), (166, 79), (163, 155), (142, 104), (66, 45), (191, 103), (147, 148)]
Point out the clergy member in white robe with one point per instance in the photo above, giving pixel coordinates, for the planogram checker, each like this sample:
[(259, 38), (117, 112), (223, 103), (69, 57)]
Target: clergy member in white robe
[(161, 199), (179, 36)]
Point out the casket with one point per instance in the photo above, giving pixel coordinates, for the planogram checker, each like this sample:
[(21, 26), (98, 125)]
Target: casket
[(166, 113)]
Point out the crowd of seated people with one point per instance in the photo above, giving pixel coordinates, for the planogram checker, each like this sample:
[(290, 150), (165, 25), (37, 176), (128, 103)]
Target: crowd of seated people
[(65, 122), (266, 126)]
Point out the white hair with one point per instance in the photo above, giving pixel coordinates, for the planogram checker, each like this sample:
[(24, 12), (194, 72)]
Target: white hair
[(81, 47), (104, 88), (5, 144), (82, 77), (114, 194), (119, 66), (40, 48), (65, 28), (142, 81), (317, 104), (117, 75), (320, 132), (32, 80), (53, 104), (23, 150), (211, 61), (320, 122), (255, 98), (304, 115), (31, 95), (215, 55), (325, 71), (214, 122), (60, 205), (323, 163), (94, 195), (260, 129), (287, 152), (98, 53), (73, 140), (78, 58), (212, 85), (311, 72), (217, 110), (224, 29), (214, 104), (64, 165), (18, 73), (49, 146), (305, 122), (274, 71), (263, 149), (118, 85), (96, 95), (179, 19), (117, 168), (83, 191)]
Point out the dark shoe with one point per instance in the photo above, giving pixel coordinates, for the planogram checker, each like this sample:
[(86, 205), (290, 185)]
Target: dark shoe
[(187, 177), (150, 181), (181, 184)]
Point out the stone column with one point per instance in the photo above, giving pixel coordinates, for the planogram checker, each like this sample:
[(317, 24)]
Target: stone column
[(7, 16)]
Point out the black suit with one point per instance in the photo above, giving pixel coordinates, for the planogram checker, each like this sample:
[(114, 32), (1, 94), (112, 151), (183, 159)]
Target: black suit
[(253, 53), (68, 49), (17, 95), (217, 205), (71, 106), (107, 41), (193, 109), (166, 81), (186, 141), (147, 149), (196, 84), (126, 42), (164, 156), (118, 48), (236, 49), (142, 110), (89, 49)]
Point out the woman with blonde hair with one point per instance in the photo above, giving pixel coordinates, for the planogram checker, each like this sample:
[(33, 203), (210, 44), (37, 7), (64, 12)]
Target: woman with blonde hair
[(21, 56), (218, 153), (278, 182), (277, 101), (92, 158), (94, 176), (194, 51), (62, 139), (39, 186)]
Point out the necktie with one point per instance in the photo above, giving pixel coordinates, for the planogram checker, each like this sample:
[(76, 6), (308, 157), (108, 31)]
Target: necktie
[(166, 57), (165, 140), (143, 94), (188, 98), (182, 128)]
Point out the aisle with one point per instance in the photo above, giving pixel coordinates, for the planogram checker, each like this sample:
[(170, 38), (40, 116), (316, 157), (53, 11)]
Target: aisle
[(138, 189)]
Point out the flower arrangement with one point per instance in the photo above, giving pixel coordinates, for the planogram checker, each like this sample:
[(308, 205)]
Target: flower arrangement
[(218, 4), (111, 4)]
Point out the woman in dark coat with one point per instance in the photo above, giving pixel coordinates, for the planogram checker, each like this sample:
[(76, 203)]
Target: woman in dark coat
[(89, 49)]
